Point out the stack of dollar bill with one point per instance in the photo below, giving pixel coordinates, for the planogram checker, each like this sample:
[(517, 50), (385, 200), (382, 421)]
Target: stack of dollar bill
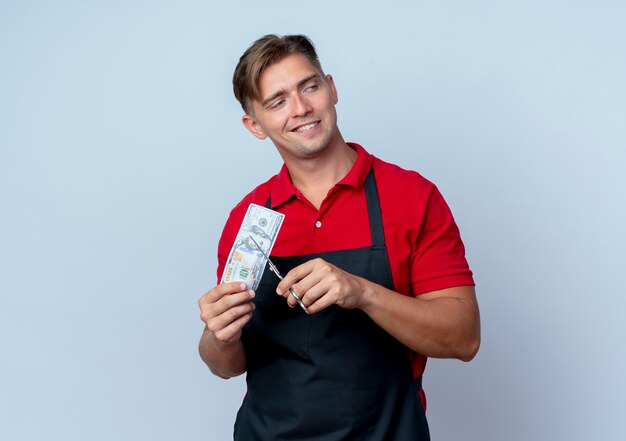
[(246, 262)]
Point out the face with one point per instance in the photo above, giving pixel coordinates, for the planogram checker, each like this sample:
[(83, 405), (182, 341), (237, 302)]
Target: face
[(296, 110)]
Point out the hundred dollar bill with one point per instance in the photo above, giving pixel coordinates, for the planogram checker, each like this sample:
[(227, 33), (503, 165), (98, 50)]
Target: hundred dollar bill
[(245, 262)]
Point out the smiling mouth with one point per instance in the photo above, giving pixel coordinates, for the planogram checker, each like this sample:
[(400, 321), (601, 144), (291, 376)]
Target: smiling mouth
[(305, 127)]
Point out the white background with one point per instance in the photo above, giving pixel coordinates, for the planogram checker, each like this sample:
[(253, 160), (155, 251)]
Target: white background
[(122, 152)]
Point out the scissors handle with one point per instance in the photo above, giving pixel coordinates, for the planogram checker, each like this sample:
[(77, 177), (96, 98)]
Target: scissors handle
[(279, 275), (298, 299), (291, 290)]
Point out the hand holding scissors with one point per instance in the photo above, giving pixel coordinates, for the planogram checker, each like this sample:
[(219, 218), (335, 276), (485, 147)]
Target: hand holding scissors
[(280, 276)]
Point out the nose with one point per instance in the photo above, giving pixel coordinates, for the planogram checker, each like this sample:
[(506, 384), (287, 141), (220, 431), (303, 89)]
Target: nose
[(301, 106)]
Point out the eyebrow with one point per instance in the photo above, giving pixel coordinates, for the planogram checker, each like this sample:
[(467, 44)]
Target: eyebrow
[(275, 95)]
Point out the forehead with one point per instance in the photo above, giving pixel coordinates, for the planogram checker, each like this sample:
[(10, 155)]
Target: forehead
[(285, 75)]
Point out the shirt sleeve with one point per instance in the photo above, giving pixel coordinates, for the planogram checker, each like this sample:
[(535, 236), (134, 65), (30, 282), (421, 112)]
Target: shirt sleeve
[(438, 254)]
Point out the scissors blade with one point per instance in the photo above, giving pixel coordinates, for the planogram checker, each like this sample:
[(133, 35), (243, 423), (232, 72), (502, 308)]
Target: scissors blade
[(279, 275), (258, 246), (272, 266)]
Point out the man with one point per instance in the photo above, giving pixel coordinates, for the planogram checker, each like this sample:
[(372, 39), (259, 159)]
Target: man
[(372, 250)]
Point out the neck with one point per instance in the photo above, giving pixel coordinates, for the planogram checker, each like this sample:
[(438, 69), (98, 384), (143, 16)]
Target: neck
[(314, 177)]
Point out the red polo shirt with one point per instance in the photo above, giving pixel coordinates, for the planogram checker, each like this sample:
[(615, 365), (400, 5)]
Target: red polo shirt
[(423, 242)]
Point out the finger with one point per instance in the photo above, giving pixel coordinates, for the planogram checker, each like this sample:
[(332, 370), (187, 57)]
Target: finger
[(209, 311), (231, 316), (313, 294), (222, 290), (227, 318), (313, 301), (323, 287), (316, 283), (292, 302), (232, 332), (294, 276), (320, 304), (300, 290)]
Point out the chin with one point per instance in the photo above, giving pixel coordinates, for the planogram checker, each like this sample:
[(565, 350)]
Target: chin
[(311, 151)]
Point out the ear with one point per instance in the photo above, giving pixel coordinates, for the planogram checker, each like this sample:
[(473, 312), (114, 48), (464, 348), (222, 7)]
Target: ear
[(253, 126), (333, 89)]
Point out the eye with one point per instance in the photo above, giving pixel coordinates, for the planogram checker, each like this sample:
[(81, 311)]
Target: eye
[(311, 87), (276, 104)]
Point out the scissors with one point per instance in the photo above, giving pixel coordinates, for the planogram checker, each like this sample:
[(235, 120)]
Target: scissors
[(280, 276)]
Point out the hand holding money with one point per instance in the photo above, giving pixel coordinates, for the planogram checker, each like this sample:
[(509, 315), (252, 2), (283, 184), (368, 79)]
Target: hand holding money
[(226, 309)]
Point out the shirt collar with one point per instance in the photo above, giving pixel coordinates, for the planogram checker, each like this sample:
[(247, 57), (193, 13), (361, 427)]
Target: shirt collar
[(283, 189)]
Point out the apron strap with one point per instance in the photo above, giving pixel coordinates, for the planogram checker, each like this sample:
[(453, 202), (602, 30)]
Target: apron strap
[(373, 211), (418, 382)]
